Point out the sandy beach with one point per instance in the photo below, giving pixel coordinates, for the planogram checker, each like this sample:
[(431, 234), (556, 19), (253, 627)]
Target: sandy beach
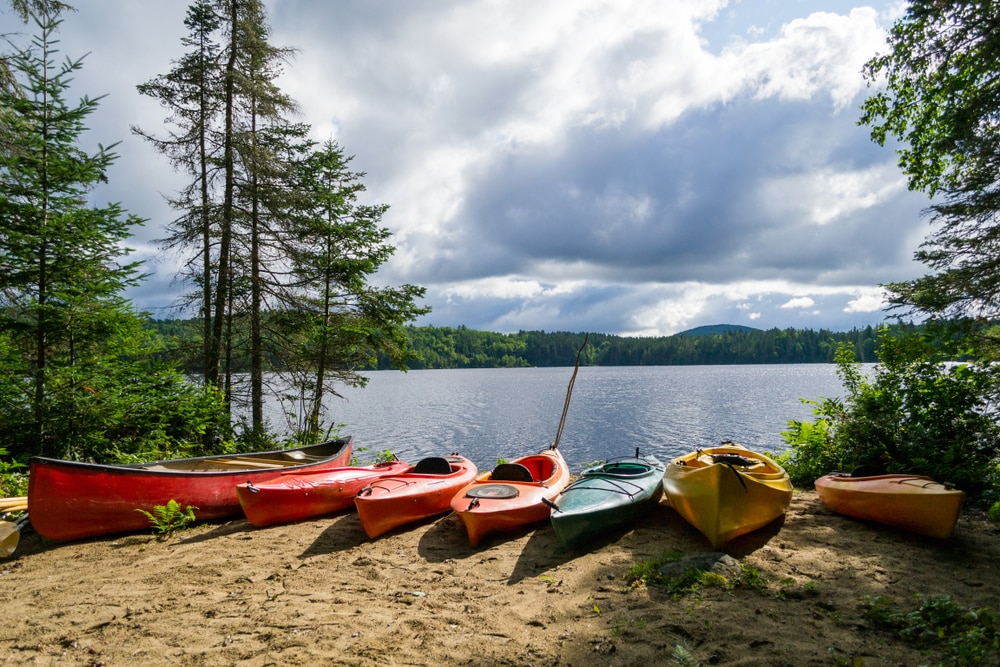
[(320, 592)]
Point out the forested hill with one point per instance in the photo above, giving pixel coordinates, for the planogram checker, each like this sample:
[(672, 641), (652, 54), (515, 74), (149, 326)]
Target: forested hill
[(447, 347)]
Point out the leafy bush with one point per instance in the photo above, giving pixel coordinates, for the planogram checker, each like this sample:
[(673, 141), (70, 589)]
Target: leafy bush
[(917, 413), (13, 477)]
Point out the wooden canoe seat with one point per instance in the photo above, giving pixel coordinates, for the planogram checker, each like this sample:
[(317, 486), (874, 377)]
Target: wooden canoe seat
[(511, 472), (433, 465)]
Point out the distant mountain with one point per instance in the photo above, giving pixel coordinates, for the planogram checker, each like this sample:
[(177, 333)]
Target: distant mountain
[(712, 329)]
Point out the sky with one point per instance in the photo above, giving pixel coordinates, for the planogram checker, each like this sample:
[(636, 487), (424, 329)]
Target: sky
[(631, 167)]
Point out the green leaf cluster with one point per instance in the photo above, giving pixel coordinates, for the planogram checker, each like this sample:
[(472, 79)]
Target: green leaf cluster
[(964, 636), (168, 519)]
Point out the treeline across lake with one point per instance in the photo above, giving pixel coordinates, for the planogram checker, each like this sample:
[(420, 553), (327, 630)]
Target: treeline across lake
[(461, 347)]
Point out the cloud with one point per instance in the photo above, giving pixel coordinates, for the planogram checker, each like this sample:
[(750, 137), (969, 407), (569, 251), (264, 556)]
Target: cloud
[(799, 302), (627, 166)]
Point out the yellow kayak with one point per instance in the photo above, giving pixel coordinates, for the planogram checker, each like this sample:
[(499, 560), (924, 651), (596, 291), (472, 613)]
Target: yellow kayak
[(727, 491)]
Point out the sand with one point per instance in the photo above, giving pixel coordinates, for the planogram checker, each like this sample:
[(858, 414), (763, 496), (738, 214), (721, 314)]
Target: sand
[(320, 592)]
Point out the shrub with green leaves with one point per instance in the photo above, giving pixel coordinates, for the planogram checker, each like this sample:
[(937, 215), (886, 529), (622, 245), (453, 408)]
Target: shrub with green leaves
[(917, 413)]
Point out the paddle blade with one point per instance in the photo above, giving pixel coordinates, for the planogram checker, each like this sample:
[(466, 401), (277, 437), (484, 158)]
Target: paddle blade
[(10, 535)]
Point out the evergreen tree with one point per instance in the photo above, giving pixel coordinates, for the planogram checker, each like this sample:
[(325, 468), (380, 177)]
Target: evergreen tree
[(191, 93), (940, 99), (71, 345), (340, 321)]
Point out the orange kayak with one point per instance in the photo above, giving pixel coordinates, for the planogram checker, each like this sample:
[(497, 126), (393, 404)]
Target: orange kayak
[(915, 503), (423, 491), (511, 495), (307, 494)]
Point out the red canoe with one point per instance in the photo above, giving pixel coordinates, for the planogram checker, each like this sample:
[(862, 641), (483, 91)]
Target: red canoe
[(295, 496), (918, 504), (69, 500), (511, 495), (424, 491)]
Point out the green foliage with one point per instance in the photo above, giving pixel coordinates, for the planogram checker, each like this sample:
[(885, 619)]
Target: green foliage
[(812, 450), (964, 636), (916, 414), (647, 572), (168, 519), (13, 481), (445, 347), (994, 512)]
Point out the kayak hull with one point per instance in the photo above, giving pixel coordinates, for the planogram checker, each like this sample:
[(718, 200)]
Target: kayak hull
[(499, 502), (607, 497), (398, 500), (305, 495), (727, 500), (915, 503), (70, 500)]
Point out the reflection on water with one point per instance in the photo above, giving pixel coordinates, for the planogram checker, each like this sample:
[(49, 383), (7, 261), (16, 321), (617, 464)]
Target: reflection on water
[(488, 414)]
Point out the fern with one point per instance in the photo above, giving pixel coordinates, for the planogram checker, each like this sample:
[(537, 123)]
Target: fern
[(169, 518)]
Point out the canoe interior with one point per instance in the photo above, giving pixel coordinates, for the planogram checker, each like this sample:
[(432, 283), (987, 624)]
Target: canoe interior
[(281, 459)]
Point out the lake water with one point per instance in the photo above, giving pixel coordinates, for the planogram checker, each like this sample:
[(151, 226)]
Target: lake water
[(486, 414)]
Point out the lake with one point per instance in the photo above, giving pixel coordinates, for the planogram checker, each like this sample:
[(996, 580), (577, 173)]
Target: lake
[(486, 414)]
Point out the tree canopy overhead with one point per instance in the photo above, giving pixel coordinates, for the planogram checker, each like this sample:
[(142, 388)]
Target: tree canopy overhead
[(941, 99)]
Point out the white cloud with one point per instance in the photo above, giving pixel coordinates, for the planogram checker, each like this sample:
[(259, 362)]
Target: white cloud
[(867, 301), (802, 302)]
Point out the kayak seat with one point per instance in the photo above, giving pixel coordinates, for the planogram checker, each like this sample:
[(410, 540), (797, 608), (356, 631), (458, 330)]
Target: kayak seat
[(433, 465), (511, 472)]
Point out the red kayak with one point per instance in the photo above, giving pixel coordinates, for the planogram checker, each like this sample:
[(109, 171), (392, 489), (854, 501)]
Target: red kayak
[(511, 495), (425, 490), (70, 500), (295, 496)]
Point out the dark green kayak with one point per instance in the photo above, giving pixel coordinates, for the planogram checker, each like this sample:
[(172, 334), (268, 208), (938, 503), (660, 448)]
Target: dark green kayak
[(606, 497)]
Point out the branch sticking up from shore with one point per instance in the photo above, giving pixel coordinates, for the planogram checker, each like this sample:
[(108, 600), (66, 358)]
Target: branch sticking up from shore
[(569, 393)]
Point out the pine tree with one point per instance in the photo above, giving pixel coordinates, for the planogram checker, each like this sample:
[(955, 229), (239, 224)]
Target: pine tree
[(62, 259)]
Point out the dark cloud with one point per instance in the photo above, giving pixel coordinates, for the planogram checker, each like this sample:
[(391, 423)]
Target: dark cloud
[(554, 168)]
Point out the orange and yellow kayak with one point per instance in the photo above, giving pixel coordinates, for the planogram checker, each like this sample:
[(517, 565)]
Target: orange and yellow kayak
[(727, 491), (423, 491), (511, 495), (915, 503)]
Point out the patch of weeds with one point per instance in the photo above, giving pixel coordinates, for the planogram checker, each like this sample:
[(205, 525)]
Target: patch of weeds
[(790, 590), (649, 573), (994, 512), (965, 636), (625, 625), (168, 519)]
